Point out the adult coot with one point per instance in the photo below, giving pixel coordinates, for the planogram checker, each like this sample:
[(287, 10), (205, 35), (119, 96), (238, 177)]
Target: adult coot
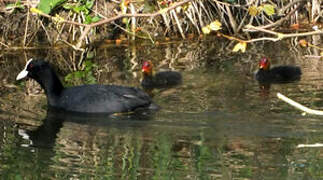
[(164, 79), (279, 74), (85, 98)]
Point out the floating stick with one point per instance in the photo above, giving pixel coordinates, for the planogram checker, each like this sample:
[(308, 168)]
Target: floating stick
[(299, 106)]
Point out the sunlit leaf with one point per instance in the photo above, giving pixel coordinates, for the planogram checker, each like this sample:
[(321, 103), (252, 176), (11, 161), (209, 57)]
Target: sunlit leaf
[(124, 20), (58, 18), (321, 53), (206, 29), (186, 6), (303, 43), (280, 35), (269, 9), (215, 25), (96, 18), (89, 4), (46, 6), (35, 10), (242, 46), (253, 11)]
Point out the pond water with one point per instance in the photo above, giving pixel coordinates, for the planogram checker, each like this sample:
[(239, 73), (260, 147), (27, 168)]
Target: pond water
[(219, 124)]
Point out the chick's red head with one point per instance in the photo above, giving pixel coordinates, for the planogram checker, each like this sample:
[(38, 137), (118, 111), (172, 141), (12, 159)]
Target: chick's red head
[(264, 64), (147, 67)]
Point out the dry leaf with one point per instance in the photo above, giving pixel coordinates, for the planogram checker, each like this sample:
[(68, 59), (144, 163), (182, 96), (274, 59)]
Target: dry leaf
[(253, 11), (206, 29), (118, 41), (240, 46), (215, 25), (303, 43), (294, 26)]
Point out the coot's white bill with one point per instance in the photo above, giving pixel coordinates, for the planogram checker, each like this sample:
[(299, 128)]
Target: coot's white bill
[(24, 72)]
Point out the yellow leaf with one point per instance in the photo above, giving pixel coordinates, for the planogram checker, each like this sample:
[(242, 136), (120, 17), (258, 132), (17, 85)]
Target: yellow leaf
[(186, 6), (303, 42), (206, 29), (269, 9), (240, 46), (215, 25), (35, 10), (125, 20), (58, 19), (280, 35), (321, 53), (253, 11)]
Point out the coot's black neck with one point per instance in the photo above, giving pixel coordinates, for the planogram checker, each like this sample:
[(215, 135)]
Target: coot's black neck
[(50, 82)]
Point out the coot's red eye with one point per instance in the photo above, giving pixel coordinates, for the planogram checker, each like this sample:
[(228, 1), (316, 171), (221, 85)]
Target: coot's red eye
[(31, 65)]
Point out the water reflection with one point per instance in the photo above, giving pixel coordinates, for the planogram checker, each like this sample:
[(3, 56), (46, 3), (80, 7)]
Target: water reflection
[(45, 135), (215, 125)]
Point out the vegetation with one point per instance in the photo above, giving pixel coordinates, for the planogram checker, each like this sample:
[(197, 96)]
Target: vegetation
[(80, 22)]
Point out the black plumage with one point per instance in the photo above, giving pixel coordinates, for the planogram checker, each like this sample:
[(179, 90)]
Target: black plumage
[(164, 79), (85, 98), (279, 74)]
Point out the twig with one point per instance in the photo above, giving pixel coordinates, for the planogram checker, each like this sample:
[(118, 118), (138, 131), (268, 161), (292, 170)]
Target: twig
[(299, 106), (309, 145), (133, 21), (26, 28), (179, 26), (279, 35), (3, 44), (231, 19), (282, 19), (282, 10)]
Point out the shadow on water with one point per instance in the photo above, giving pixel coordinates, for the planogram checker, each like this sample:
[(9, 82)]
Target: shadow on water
[(45, 135), (218, 124)]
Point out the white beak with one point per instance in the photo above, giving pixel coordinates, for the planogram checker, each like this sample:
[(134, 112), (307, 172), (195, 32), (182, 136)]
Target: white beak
[(24, 72)]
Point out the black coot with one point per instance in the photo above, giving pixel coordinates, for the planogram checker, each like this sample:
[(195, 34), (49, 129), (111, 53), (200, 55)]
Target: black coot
[(163, 79), (85, 98), (279, 74)]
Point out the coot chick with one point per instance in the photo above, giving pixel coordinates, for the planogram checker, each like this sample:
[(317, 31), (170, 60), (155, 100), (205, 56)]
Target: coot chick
[(279, 74), (164, 79), (86, 98)]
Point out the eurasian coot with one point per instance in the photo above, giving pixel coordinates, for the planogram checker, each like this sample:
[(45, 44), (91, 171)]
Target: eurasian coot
[(85, 98), (279, 74), (163, 79)]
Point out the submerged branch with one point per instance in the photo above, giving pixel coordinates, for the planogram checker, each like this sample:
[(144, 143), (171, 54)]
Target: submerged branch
[(299, 106), (310, 145)]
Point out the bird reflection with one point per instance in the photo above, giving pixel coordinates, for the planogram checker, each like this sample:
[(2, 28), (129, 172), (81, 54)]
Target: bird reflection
[(45, 135), (264, 89)]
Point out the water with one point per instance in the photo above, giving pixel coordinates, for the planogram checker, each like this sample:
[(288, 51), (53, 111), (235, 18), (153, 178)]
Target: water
[(219, 124)]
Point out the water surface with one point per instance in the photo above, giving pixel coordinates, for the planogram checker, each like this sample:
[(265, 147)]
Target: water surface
[(218, 124)]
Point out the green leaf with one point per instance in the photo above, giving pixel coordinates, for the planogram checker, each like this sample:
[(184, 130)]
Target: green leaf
[(269, 9), (68, 6), (46, 6), (89, 4), (96, 18)]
